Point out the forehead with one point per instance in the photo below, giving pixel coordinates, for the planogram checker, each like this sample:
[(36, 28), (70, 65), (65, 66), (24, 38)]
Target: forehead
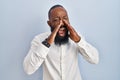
[(58, 11)]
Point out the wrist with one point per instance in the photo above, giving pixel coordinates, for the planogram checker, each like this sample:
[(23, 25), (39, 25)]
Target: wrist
[(78, 39), (45, 42)]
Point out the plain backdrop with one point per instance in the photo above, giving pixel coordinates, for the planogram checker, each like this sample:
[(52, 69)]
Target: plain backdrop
[(97, 20)]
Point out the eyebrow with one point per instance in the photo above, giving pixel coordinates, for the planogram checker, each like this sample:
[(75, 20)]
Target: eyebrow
[(58, 17)]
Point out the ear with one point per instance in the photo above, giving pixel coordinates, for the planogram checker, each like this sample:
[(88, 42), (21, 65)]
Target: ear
[(48, 22)]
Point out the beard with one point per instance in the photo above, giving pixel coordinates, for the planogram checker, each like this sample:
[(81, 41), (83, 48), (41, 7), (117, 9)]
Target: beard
[(59, 40)]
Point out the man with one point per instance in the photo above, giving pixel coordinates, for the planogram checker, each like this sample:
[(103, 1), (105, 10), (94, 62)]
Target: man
[(57, 51)]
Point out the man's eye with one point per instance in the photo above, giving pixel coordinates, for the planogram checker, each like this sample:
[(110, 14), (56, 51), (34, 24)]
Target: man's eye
[(65, 18), (55, 20)]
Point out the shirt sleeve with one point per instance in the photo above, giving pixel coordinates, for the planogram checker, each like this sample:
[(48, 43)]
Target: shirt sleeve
[(89, 52), (35, 56)]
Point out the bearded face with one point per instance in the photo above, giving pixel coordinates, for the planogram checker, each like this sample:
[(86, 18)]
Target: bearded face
[(56, 16), (62, 36)]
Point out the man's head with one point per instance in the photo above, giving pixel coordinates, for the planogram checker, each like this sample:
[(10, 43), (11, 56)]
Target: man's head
[(56, 14)]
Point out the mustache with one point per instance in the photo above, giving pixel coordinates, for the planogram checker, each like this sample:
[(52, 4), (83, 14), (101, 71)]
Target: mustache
[(61, 28)]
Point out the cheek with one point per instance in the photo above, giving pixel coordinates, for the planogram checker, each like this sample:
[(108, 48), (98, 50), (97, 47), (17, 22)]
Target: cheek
[(52, 28), (67, 21), (55, 23)]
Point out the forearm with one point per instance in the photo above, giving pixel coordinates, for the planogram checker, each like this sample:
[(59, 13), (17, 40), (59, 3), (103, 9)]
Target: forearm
[(89, 52), (74, 35), (35, 58)]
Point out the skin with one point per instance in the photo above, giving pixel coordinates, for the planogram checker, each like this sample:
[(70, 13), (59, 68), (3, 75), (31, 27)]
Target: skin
[(59, 18)]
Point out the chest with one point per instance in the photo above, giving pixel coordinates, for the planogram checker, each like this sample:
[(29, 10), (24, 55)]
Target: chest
[(64, 52)]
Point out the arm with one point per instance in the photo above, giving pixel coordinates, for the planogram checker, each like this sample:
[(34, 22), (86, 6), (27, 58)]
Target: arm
[(38, 52), (87, 50), (35, 56)]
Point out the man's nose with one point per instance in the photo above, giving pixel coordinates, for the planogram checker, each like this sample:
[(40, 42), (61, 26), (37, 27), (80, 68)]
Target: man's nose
[(62, 23)]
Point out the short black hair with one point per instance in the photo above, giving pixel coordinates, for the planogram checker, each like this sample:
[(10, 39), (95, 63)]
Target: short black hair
[(53, 8)]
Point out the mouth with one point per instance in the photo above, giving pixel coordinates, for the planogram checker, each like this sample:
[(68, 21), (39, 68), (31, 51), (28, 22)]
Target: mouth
[(62, 28), (62, 31)]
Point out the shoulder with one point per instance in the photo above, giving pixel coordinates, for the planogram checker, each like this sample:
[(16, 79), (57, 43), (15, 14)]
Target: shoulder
[(41, 36)]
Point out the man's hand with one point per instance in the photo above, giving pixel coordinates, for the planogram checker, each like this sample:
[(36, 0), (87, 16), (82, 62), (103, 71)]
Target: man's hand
[(52, 36), (73, 34)]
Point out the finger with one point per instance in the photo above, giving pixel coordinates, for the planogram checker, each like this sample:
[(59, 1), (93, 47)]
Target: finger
[(57, 27), (53, 34), (60, 24), (69, 27), (66, 22)]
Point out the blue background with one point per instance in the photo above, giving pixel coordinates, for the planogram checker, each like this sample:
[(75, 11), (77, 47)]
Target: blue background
[(97, 20)]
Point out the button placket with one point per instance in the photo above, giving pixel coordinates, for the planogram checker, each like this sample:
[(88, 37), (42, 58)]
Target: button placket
[(62, 61)]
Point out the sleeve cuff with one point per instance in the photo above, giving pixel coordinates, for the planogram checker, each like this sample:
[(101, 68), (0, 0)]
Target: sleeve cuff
[(81, 43), (42, 51)]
